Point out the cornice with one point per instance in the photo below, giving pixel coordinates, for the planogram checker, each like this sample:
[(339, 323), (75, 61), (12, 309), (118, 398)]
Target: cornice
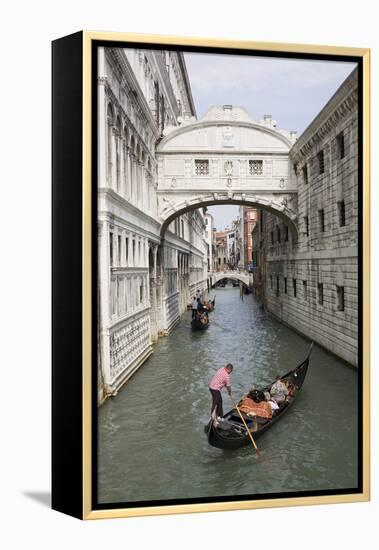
[(341, 105), (129, 81), (230, 123)]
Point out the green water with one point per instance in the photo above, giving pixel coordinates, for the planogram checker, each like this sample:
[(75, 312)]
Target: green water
[(152, 444)]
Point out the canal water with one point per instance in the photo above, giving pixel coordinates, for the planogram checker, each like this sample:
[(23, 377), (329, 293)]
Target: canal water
[(151, 439)]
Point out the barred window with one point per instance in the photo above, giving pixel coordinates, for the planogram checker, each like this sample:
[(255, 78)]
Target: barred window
[(305, 174), (341, 213), (321, 219), (202, 167), (340, 298), (320, 288), (321, 162), (341, 145), (306, 225), (255, 167)]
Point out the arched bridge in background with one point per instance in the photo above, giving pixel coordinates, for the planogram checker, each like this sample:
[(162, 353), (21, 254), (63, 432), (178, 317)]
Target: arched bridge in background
[(242, 276)]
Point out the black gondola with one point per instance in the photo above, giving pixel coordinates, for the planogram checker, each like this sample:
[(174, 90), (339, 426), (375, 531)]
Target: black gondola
[(200, 322), (231, 433), (210, 304)]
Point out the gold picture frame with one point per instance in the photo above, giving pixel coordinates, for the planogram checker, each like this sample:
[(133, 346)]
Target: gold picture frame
[(75, 476)]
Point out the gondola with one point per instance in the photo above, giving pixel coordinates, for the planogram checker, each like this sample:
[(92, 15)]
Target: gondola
[(211, 304), (231, 433), (200, 323)]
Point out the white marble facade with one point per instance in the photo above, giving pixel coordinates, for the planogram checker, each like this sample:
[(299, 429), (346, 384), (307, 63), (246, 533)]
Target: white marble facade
[(144, 281)]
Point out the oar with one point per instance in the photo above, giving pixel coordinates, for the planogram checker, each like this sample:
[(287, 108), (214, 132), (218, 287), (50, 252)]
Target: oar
[(247, 429)]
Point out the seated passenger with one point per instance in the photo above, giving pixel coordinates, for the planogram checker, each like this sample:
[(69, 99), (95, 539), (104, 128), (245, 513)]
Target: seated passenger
[(279, 391), (256, 395), (291, 390)]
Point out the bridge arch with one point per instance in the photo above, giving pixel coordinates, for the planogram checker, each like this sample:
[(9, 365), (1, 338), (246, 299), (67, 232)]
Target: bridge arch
[(233, 275), (280, 206)]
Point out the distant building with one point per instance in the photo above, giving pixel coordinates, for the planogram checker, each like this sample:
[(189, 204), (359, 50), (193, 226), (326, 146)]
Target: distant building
[(248, 217)]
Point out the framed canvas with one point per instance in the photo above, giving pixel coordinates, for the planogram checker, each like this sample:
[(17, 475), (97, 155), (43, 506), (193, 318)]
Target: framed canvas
[(150, 134)]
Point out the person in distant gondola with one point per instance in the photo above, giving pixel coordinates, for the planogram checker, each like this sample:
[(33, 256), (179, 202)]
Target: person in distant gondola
[(194, 307), (219, 381), (279, 391)]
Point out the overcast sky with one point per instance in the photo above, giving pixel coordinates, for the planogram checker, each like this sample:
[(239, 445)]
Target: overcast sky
[(292, 91)]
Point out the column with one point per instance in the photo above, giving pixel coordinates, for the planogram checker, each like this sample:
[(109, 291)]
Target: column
[(115, 247), (102, 118), (114, 156), (104, 292), (121, 188), (123, 249), (130, 249)]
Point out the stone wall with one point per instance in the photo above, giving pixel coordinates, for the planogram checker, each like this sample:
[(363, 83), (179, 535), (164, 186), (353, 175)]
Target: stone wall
[(310, 280)]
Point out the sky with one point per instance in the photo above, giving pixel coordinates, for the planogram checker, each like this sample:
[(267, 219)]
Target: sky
[(292, 91)]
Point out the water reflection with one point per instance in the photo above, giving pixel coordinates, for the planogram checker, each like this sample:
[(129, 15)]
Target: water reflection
[(151, 436)]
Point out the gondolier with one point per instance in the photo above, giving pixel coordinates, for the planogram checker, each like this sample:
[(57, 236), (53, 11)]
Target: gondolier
[(220, 380), (232, 433)]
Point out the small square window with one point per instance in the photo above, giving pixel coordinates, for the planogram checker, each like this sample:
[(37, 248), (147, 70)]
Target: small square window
[(201, 167), (255, 167)]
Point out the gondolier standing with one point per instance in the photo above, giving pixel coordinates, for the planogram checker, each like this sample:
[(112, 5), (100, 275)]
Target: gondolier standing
[(220, 380)]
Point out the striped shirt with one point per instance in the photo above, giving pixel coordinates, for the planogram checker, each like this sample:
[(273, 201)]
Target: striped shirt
[(220, 379)]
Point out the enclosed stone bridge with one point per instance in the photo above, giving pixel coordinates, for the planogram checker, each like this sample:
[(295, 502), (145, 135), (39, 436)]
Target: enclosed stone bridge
[(242, 276), (226, 158)]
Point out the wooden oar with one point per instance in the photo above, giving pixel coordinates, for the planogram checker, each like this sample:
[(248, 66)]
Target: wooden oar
[(247, 429)]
